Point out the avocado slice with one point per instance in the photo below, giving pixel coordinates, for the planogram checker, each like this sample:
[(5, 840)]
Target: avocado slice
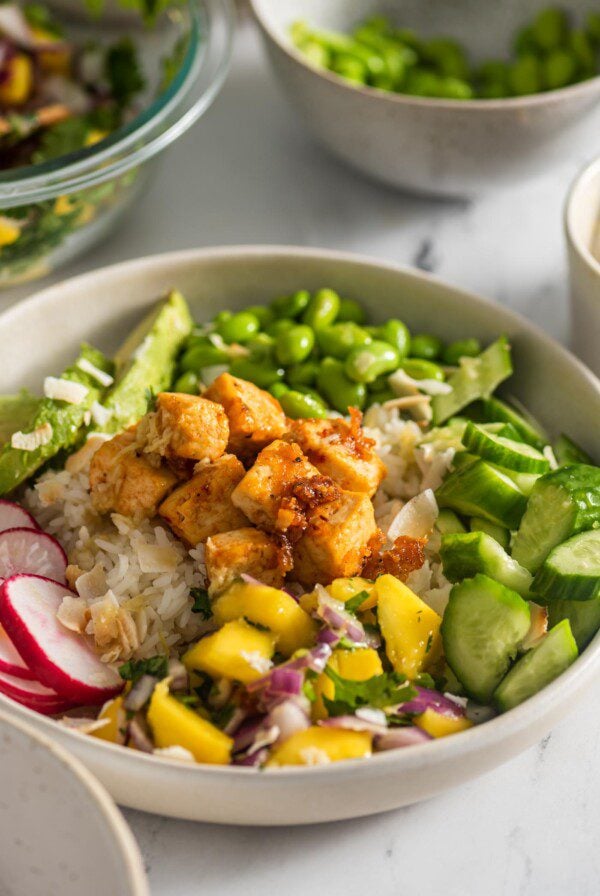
[(16, 412)]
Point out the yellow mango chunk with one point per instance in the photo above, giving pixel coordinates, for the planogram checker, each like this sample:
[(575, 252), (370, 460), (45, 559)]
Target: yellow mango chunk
[(410, 628), (10, 231), (115, 713), (316, 746), (345, 589), (16, 88), (95, 136), (438, 725), (270, 607), (55, 61), (356, 665), (237, 651), (174, 725)]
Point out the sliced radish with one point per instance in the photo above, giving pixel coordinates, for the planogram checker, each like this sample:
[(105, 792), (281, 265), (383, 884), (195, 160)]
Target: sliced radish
[(61, 659), (11, 660), (33, 695), (33, 552), (13, 516)]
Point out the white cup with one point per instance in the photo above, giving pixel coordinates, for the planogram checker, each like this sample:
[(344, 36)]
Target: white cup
[(582, 226)]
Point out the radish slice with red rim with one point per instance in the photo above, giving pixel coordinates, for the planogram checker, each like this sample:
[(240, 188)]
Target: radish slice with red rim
[(13, 516), (33, 691), (32, 552), (61, 659), (11, 660)]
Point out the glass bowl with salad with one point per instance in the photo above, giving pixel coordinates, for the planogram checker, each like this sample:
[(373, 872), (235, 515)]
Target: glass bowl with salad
[(88, 99)]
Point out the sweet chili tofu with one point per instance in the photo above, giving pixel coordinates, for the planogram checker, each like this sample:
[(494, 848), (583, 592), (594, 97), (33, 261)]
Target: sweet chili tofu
[(255, 417), (246, 550), (125, 481), (269, 481), (185, 427), (336, 540), (341, 450), (202, 506)]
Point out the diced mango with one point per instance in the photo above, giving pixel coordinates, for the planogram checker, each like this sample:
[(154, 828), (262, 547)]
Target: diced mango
[(271, 608), (64, 205), (345, 589), (356, 665), (95, 136), (237, 651), (174, 725), (317, 746), (56, 60), (410, 628), (115, 713), (10, 231), (438, 725), (16, 87)]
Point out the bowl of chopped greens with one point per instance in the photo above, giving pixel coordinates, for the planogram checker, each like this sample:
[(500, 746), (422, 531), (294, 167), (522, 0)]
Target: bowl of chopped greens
[(437, 97), (87, 103), (290, 536)]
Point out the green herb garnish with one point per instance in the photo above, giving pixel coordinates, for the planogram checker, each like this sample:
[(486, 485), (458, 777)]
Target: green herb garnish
[(202, 603), (134, 669), (381, 691)]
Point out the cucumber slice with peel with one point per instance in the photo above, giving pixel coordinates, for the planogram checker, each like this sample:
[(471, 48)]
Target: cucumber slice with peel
[(494, 409), (583, 616), (538, 667), (499, 533), (448, 522), (568, 452), (483, 625), (480, 489), (562, 504), (466, 554), (504, 452), (475, 378), (572, 570)]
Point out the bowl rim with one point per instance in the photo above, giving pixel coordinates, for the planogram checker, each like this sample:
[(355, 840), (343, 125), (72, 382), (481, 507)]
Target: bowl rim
[(575, 198), (196, 85), (439, 750), (517, 103), (121, 835)]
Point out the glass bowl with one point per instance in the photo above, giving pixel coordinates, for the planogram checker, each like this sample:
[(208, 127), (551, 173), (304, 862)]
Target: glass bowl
[(62, 207)]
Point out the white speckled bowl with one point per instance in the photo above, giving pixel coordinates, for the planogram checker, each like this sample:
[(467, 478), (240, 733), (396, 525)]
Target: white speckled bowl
[(43, 333), (582, 226), (61, 832), (451, 148)]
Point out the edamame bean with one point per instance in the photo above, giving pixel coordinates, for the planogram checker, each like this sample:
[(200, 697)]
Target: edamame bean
[(259, 373), (263, 314), (549, 28), (294, 345), (301, 405), (338, 340), (426, 346), (350, 311), (278, 389), (525, 76), (447, 56), (302, 374), (322, 309), (306, 390), (203, 355), (221, 317), (422, 370), (455, 89), (187, 382), (397, 334), (261, 345), (290, 306), (559, 68), (381, 396), (341, 392), (581, 47), (278, 326), (363, 365), (239, 328), (462, 348), (592, 26)]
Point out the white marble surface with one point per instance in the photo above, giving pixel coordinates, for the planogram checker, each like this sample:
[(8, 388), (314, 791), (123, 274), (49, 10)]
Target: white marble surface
[(248, 173)]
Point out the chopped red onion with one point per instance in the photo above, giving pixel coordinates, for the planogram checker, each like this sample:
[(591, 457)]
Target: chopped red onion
[(288, 717), (235, 721), (327, 636), (334, 614), (315, 659), (252, 760), (428, 699), (246, 733), (395, 738), (140, 693), (138, 737), (178, 675)]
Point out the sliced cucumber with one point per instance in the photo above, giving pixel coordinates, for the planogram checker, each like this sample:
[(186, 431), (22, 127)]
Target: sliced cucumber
[(494, 409), (479, 489), (483, 625), (468, 553), (562, 503), (499, 533), (571, 571), (583, 616), (524, 481), (568, 452), (504, 452), (475, 378), (448, 522), (538, 667)]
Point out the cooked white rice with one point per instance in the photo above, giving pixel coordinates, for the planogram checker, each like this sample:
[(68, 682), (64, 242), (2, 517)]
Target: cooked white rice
[(134, 579)]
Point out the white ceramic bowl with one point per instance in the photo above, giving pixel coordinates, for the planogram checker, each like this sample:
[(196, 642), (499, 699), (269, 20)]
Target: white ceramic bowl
[(42, 334), (61, 832), (431, 145), (582, 226)]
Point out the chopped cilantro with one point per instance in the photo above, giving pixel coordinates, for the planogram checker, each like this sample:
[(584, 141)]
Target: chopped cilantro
[(39, 16), (222, 716), (123, 72), (429, 643), (154, 665), (61, 139), (354, 604), (189, 700), (201, 602), (425, 680), (381, 691), (308, 687)]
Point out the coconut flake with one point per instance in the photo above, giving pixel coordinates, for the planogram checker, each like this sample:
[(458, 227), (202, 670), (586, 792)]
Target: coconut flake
[(73, 614), (100, 414), (417, 517), (157, 559), (31, 441), (64, 390), (105, 379), (180, 754), (255, 659), (80, 460)]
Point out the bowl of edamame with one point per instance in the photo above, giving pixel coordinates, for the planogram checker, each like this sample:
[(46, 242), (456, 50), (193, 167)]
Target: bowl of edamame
[(440, 98)]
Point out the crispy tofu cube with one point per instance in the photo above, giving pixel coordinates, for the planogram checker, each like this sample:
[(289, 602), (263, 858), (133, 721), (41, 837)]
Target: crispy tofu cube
[(340, 450), (336, 539), (186, 427), (262, 490), (202, 506), (255, 417), (123, 480), (247, 550)]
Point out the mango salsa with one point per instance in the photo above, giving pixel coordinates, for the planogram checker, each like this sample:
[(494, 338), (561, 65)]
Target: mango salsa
[(174, 725), (439, 725), (316, 746), (410, 628), (115, 713), (345, 589), (356, 665), (18, 84), (237, 651), (270, 607)]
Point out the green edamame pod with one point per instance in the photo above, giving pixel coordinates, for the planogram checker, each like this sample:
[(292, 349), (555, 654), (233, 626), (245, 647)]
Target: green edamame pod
[(426, 346), (339, 339), (462, 348), (279, 326), (294, 345), (221, 317), (263, 314), (340, 392), (420, 369), (278, 389), (259, 373), (203, 355), (302, 374), (261, 345), (322, 309), (549, 29), (381, 396), (559, 68), (525, 75), (301, 405), (350, 312), (397, 334), (239, 328), (290, 306), (187, 382), (364, 365)]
